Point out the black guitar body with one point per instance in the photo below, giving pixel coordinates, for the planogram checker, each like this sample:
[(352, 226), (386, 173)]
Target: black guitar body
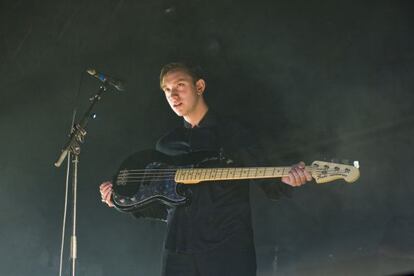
[(145, 181)]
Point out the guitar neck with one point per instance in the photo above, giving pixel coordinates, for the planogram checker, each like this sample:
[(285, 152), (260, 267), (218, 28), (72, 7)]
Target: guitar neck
[(194, 176)]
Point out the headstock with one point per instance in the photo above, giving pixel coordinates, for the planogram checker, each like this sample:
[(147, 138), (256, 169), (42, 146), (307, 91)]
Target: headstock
[(324, 172)]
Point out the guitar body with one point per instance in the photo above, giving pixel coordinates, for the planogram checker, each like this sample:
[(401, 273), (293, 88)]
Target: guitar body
[(146, 179)]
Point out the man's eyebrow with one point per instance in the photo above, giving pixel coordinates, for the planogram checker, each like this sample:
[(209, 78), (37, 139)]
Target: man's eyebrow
[(182, 79)]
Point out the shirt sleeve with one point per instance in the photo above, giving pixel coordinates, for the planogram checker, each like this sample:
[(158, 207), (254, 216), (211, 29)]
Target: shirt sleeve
[(248, 150), (254, 155)]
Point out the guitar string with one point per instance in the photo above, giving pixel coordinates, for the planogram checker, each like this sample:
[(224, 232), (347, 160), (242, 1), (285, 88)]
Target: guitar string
[(157, 172), (172, 177), (175, 169)]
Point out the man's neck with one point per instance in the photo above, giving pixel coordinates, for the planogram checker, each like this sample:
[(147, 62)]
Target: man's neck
[(195, 118)]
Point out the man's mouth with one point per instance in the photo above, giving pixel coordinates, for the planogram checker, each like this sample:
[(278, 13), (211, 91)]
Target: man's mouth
[(177, 105)]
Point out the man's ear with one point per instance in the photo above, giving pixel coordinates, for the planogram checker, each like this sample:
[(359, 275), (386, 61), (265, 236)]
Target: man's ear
[(200, 86)]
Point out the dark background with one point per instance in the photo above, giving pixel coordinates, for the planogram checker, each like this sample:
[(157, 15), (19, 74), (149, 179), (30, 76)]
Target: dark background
[(315, 80)]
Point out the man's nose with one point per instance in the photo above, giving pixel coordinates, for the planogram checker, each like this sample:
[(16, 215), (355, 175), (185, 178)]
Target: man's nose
[(173, 93)]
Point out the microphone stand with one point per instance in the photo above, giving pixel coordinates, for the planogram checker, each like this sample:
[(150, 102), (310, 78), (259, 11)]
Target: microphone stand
[(72, 150)]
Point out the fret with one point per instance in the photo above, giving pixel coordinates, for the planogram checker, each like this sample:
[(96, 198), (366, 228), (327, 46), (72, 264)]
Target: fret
[(185, 174), (193, 174), (197, 174), (217, 176), (231, 173), (203, 174), (227, 174), (182, 174), (269, 172), (209, 174)]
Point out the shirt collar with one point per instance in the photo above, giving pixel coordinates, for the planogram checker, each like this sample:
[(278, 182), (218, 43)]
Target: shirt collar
[(209, 119)]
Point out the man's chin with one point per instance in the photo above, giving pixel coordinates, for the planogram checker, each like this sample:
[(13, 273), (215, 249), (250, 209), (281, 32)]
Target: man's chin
[(179, 114)]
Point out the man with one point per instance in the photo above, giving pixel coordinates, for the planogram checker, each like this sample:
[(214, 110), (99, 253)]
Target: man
[(212, 235)]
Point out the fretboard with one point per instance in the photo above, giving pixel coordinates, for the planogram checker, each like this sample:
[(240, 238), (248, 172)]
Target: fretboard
[(194, 176)]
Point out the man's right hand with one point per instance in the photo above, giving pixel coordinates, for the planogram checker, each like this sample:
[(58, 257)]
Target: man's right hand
[(106, 192)]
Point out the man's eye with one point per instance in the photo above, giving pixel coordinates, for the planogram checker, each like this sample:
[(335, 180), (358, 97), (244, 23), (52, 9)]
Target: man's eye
[(181, 84)]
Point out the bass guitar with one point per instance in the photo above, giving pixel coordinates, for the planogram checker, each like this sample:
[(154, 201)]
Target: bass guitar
[(150, 177)]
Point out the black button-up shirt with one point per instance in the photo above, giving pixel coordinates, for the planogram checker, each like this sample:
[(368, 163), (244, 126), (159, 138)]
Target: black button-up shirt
[(219, 212)]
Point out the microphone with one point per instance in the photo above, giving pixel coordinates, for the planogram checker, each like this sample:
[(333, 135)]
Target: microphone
[(116, 83)]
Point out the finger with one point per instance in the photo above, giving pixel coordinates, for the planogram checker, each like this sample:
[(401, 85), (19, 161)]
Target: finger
[(104, 196), (292, 179), (301, 164), (295, 178), (111, 204), (105, 184), (308, 175), (102, 189), (106, 189), (109, 200), (301, 174), (285, 179), (107, 196)]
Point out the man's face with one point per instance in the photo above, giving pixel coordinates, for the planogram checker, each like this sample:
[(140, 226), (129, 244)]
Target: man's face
[(180, 92)]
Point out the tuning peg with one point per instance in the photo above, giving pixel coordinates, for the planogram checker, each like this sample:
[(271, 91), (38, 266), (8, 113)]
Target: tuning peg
[(356, 164)]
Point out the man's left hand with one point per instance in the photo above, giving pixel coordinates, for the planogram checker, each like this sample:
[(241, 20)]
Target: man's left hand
[(297, 175)]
